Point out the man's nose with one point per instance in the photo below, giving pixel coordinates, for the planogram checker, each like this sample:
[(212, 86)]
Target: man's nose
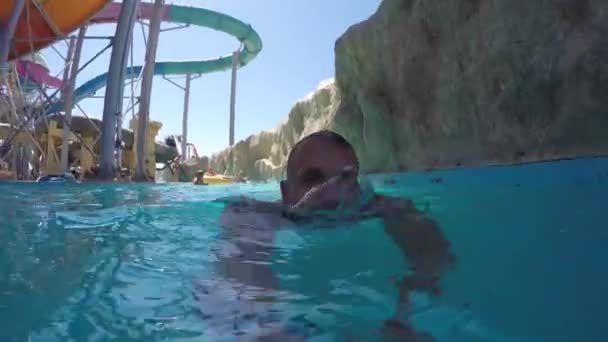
[(342, 188)]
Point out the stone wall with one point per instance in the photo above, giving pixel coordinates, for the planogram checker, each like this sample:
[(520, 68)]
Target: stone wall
[(435, 84), (263, 155)]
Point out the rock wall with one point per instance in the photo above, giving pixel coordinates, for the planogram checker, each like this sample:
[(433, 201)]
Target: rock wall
[(434, 84), (263, 155)]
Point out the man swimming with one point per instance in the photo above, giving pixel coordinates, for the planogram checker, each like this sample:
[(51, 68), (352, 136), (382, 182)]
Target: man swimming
[(322, 177)]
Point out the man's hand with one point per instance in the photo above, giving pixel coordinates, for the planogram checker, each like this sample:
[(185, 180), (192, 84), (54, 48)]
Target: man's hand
[(339, 190)]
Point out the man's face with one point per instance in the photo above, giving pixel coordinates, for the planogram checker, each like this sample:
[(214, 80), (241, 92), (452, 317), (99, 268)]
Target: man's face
[(314, 163)]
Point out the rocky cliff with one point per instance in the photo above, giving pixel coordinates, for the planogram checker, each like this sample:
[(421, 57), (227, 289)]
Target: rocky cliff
[(433, 84), (263, 155)]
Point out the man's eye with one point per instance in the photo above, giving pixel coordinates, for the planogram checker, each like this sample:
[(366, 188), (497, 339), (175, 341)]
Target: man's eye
[(313, 177)]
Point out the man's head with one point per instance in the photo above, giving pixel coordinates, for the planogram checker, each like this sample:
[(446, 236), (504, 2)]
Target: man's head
[(313, 161)]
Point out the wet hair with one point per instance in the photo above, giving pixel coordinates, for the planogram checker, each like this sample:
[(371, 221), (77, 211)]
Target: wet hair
[(325, 135)]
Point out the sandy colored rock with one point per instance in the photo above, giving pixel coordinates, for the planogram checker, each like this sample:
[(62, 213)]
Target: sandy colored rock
[(263, 155), (436, 84)]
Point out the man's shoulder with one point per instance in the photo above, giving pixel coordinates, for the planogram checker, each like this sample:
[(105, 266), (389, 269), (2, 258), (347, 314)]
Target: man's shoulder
[(389, 205), (244, 203), (244, 211)]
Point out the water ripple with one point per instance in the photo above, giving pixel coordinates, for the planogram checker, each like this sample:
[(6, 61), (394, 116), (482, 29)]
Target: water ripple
[(150, 262)]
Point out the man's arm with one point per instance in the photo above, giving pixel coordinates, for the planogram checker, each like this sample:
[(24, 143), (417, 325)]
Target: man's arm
[(421, 241), (248, 230)]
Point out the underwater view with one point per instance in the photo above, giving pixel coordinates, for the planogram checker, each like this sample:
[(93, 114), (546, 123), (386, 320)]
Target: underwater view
[(133, 262)]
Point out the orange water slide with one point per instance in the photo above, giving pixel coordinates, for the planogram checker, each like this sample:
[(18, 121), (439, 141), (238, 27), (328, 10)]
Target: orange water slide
[(42, 22)]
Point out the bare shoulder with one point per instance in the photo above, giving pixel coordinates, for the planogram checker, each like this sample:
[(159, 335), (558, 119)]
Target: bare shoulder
[(388, 206), (245, 212)]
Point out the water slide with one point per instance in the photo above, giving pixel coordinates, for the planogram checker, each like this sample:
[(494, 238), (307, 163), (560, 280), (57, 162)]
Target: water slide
[(41, 23), (252, 45), (33, 68)]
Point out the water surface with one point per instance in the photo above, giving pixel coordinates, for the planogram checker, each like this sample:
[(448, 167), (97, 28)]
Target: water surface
[(137, 262)]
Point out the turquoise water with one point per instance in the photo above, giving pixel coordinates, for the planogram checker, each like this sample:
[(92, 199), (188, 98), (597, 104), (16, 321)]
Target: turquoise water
[(137, 262)]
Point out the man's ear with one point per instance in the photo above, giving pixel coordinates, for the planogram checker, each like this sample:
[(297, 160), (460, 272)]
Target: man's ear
[(284, 192)]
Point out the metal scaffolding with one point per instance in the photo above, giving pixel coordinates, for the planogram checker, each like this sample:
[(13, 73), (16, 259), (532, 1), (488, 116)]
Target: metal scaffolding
[(7, 30)]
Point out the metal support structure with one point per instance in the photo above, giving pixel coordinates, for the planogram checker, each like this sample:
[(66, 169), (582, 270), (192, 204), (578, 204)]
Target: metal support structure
[(99, 37), (88, 118), (120, 117), (103, 97), (7, 30), (178, 27), (186, 88), (131, 107), (132, 81), (115, 87), (65, 93), (185, 118), (67, 67), (50, 98), (8, 141), (68, 97), (235, 66), (120, 113), (146, 91), (82, 142)]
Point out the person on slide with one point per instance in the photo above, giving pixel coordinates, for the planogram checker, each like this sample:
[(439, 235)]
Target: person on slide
[(199, 179), (322, 187)]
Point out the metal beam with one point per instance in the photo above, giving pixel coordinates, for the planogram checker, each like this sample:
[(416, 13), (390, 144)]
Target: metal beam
[(185, 118), (235, 66), (146, 91), (178, 27), (7, 30), (69, 96), (115, 87), (65, 93)]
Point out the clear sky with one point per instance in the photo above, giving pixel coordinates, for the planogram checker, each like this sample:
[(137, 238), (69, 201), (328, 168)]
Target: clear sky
[(298, 53)]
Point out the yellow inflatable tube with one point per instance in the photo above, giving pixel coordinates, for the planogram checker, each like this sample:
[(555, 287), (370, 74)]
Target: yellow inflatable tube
[(218, 179)]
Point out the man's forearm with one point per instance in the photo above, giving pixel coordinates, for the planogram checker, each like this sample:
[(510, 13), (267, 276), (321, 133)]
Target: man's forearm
[(421, 241)]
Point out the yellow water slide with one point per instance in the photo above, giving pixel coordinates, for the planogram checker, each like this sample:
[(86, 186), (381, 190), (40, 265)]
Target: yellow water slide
[(42, 22)]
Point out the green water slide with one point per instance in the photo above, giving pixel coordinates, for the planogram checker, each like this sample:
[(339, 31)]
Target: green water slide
[(251, 46)]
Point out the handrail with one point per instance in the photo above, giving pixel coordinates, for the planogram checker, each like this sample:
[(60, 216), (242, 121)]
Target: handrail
[(194, 149)]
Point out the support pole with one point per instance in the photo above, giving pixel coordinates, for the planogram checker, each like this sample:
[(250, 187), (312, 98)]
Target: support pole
[(120, 114), (63, 163), (235, 65), (68, 94), (131, 106), (7, 30), (14, 167), (66, 70), (146, 91), (185, 118), (115, 86)]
